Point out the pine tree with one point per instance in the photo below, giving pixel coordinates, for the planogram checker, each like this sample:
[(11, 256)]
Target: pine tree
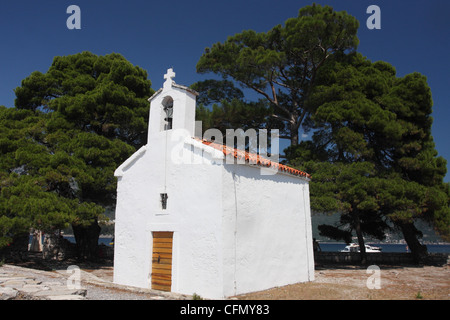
[(71, 128), (281, 65), (368, 116)]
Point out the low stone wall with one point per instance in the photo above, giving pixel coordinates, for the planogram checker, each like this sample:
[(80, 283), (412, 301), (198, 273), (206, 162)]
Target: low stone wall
[(17, 250), (389, 258), (55, 247), (105, 252)]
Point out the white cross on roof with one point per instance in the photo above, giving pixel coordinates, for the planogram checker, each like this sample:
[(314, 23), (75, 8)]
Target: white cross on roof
[(168, 76)]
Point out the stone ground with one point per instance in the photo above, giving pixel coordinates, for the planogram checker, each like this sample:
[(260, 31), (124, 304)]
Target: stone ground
[(37, 281)]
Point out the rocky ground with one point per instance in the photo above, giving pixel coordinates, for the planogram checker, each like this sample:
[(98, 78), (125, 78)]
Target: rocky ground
[(38, 280)]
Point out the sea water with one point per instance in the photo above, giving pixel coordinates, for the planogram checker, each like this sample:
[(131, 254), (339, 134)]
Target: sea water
[(386, 247), (330, 246)]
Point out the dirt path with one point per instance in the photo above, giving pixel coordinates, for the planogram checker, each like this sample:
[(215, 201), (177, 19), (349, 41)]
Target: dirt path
[(331, 283), (350, 283)]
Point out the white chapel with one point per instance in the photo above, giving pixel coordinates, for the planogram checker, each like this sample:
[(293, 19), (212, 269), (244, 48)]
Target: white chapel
[(207, 225)]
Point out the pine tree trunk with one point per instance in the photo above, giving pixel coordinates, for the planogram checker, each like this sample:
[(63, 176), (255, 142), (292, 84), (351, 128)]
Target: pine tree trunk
[(86, 238), (362, 246), (293, 132), (410, 233)]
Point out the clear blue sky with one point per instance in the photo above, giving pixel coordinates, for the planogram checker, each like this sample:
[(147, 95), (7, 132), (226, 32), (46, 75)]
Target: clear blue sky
[(156, 35)]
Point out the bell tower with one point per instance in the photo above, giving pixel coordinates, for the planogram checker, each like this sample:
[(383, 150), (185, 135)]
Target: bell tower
[(172, 108)]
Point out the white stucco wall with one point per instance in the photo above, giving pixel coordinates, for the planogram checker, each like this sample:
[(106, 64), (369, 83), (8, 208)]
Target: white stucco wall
[(197, 196), (130, 264), (193, 213), (183, 110), (267, 230), (234, 230)]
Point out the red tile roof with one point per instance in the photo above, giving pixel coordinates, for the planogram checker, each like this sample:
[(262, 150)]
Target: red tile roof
[(253, 158)]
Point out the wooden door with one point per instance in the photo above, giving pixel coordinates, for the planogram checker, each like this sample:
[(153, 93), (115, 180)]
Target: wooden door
[(162, 261)]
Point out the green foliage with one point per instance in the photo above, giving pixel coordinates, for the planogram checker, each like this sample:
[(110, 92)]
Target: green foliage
[(214, 91), (105, 95), (71, 128), (37, 180), (222, 107), (372, 155), (281, 64), (351, 189), (366, 117), (234, 114), (196, 297)]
